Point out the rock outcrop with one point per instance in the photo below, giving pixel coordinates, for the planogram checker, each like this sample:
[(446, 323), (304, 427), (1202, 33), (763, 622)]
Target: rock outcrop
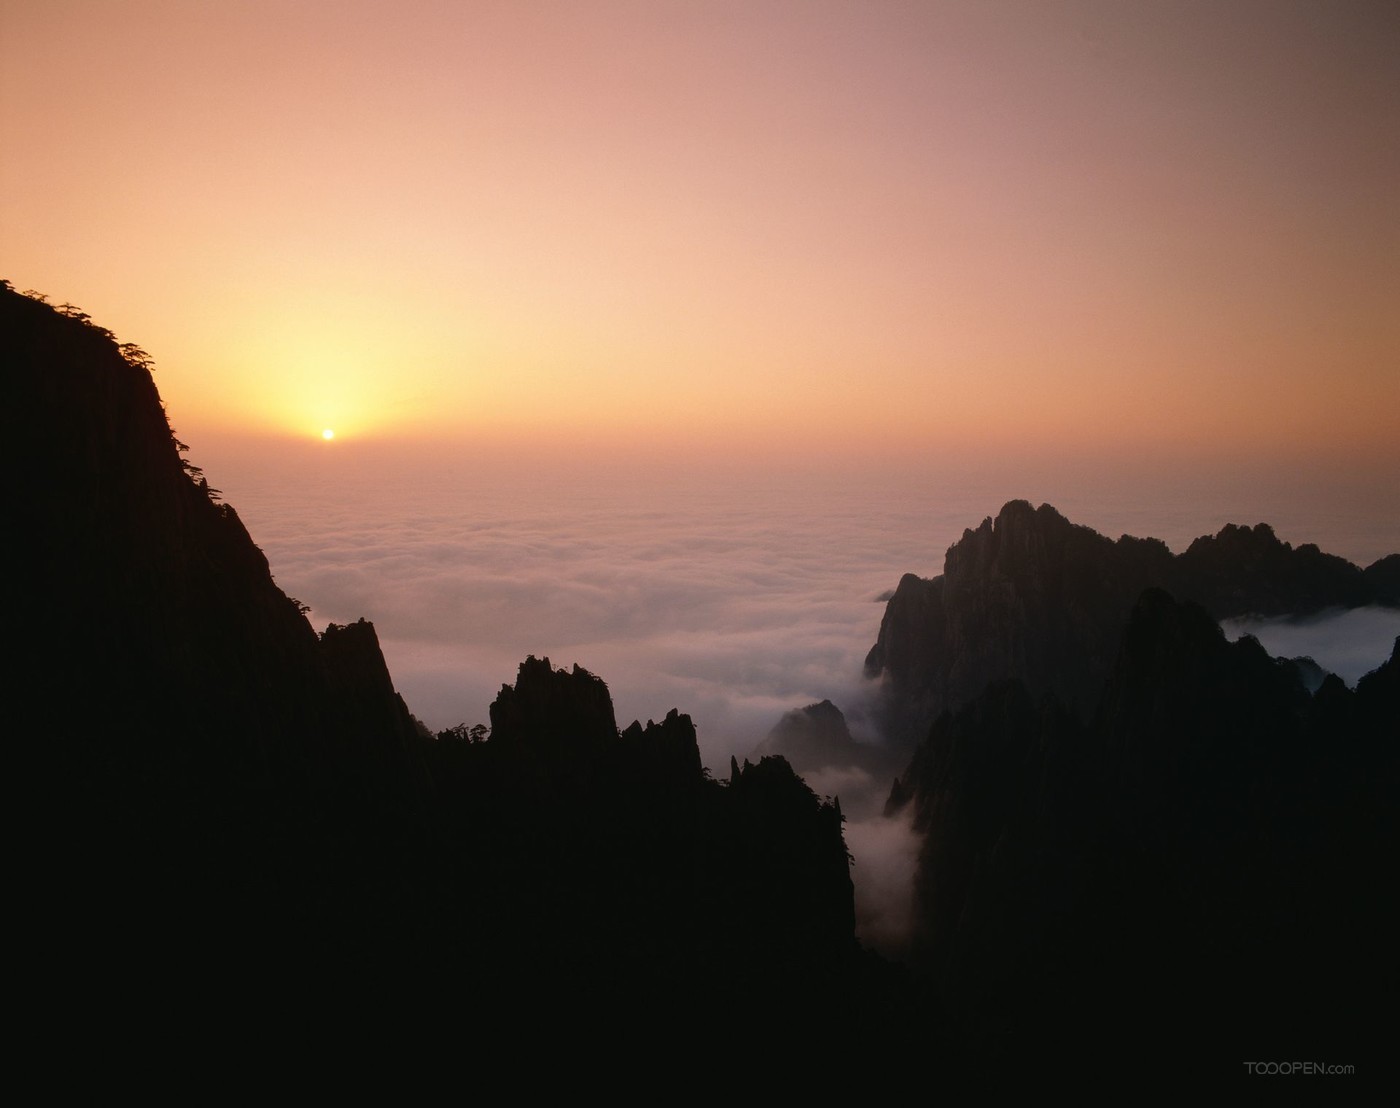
[(547, 705)]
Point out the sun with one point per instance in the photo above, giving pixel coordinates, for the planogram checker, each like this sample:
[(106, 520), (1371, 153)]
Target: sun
[(328, 434)]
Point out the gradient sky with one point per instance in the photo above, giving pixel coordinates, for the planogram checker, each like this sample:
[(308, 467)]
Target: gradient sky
[(728, 227)]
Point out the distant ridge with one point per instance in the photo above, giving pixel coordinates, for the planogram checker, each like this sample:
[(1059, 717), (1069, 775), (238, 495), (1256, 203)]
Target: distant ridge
[(1033, 596)]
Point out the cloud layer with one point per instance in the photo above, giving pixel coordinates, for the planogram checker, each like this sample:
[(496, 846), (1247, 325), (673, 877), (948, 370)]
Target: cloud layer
[(1349, 644), (732, 600), (733, 607)]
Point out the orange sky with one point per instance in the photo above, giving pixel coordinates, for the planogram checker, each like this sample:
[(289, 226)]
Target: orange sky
[(802, 227)]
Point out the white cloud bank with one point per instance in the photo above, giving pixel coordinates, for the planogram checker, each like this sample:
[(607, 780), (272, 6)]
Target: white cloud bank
[(733, 601), (1347, 643)]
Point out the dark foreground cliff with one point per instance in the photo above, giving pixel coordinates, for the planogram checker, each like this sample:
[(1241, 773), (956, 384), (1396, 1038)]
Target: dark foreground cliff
[(231, 813)]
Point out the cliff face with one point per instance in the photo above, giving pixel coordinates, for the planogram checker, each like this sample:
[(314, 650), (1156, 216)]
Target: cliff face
[(1035, 597), (195, 750), (129, 569), (1147, 869), (1030, 595), (780, 850)]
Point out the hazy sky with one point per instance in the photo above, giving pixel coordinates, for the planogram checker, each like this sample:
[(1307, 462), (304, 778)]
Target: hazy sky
[(718, 228)]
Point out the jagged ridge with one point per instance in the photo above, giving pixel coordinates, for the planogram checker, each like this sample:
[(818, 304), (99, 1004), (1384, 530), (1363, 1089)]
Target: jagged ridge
[(1035, 597)]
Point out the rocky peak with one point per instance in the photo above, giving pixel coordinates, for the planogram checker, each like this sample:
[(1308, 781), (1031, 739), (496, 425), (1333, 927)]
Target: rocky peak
[(812, 737), (553, 706), (1033, 596), (671, 746)]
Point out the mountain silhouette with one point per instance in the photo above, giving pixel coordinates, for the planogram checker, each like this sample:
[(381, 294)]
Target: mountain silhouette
[(1031, 595), (1129, 823), (232, 805)]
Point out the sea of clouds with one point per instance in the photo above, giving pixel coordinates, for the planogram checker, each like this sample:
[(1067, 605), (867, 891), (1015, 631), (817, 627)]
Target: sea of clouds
[(733, 600), (1348, 643), (733, 607)]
